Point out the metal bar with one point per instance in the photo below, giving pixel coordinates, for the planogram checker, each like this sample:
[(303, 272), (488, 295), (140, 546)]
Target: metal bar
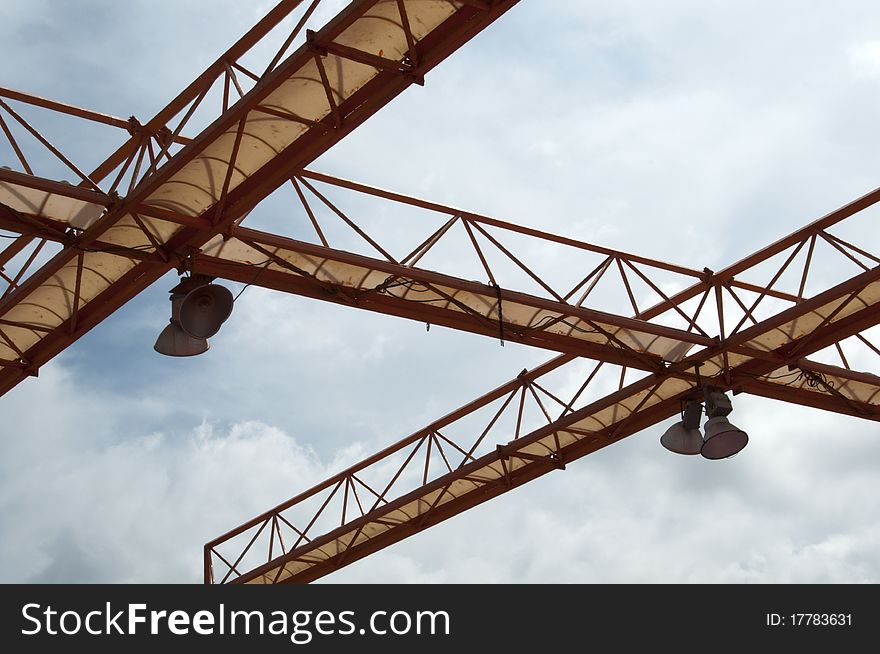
[(519, 263), (328, 90), (183, 121), (230, 74), (514, 477), (400, 470), (535, 384), (778, 274), (485, 220), (150, 236), (231, 567), (427, 459), (70, 110), (293, 34), (76, 292), (842, 357), (870, 345), (469, 454), (569, 407), (345, 500), (691, 322), (230, 169), (479, 251), (361, 57), (454, 445), (311, 214), (298, 532), (442, 453), (348, 221), (15, 147), (365, 485), (719, 302), (357, 499), (807, 263), (132, 182), (42, 139), (837, 247), (424, 247), (317, 515), (12, 346), (27, 264), (286, 115), (411, 52), (598, 272), (236, 65), (11, 250), (806, 340), (852, 247), (632, 299), (808, 398), (245, 551), (699, 309), (135, 147), (519, 412)]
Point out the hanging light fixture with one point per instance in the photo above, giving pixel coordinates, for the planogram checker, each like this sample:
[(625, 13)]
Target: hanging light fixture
[(722, 439), (719, 438), (198, 309), (684, 437)]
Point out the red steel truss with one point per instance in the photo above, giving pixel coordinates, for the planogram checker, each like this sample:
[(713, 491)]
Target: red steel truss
[(292, 113), (639, 336), (434, 474)]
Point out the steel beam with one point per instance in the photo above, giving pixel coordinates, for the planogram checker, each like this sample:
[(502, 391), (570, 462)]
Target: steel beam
[(457, 30)]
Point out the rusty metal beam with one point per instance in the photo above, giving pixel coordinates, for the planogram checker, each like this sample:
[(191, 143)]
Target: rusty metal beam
[(457, 30), (434, 315), (745, 376), (74, 111)]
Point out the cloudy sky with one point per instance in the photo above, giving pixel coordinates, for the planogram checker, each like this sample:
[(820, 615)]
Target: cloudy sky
[(689, 131)]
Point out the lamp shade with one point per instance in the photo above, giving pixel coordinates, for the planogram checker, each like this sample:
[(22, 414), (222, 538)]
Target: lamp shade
[(204, 309), (174, 342), (722, 438), (681, 440)]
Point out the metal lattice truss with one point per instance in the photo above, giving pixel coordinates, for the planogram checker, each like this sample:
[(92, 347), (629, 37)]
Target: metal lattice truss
[(180, 193), (636, 337)]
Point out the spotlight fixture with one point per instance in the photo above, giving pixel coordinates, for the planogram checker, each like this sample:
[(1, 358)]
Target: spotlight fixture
[(721, 439), (684, 437), (198, 309)]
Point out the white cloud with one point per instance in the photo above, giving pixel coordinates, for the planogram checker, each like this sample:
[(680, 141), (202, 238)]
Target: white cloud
[(865, 58), (135, 509)]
